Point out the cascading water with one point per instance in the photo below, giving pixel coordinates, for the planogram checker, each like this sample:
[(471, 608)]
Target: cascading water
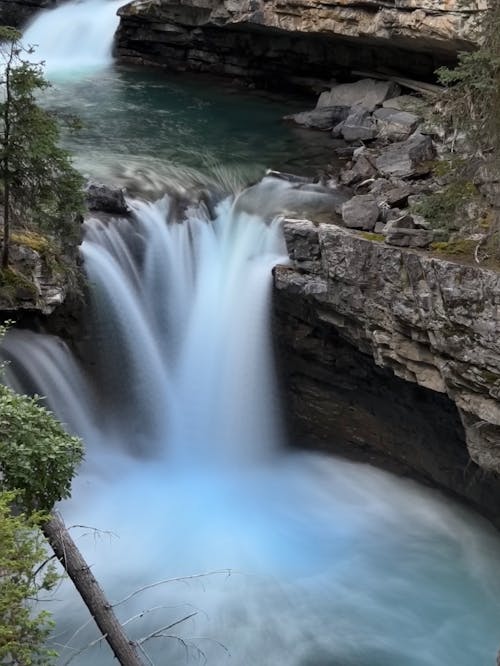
[(74, 37), (331, 563)]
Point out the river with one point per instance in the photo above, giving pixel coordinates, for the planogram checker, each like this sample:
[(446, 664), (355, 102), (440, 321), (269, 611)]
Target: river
[(281, 557)]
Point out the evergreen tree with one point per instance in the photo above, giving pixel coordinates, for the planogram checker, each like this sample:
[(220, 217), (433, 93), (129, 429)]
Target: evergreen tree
[(39, 185)]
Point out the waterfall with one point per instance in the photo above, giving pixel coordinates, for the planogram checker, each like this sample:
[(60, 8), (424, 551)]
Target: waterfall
[(292, 558), (298, 559), (75, 36), (180, 326)]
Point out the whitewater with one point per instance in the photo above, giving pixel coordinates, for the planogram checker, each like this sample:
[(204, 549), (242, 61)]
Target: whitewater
[(279, 557)]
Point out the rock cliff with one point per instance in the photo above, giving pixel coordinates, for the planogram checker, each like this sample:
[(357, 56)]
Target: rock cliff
[(295, 38), (18, 12), (395, 350)]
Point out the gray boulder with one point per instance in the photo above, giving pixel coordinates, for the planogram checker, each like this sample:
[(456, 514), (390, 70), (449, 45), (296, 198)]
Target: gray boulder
[(406, 159), (324, 118), (362, 170), (106, 199), (360, 212), (403, 103), (395, 125), (358, 126), (367, 93), (403, 232)]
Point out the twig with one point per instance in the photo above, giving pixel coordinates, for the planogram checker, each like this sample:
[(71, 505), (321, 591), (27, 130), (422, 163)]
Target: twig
[(228, 572), (158, 633)]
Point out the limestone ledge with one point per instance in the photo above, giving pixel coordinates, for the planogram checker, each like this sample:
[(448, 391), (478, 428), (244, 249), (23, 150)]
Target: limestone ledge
[(424, 25), (430, 321)]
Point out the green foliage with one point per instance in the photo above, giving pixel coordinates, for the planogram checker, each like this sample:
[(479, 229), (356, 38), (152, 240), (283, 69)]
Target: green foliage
[(23, 631), (472, 98), (442, 208), (37, 457), (39, 185)]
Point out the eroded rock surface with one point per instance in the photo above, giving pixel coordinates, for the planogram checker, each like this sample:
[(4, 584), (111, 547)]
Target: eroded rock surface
[(297, 38), (431, 322)]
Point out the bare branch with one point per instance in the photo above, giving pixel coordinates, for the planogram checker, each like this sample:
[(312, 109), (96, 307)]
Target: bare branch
[(227, 572), (158, 633)]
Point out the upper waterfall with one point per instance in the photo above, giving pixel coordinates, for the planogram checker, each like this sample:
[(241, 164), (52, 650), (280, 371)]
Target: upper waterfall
[(75, 35)]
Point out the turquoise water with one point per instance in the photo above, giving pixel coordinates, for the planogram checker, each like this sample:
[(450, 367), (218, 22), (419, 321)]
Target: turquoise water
[(332, 563), (136, 121)]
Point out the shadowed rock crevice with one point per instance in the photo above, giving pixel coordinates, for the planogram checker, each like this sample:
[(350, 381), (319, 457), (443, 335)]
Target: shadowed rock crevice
[(338, 399), (295, 39)]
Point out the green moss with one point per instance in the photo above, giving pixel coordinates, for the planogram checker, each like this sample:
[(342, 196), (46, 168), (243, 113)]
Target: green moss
[(13, 283), (456, 247), (368, 235), (31, 239)]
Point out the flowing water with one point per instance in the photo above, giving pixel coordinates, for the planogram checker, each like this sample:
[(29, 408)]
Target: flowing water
[(280, 558)]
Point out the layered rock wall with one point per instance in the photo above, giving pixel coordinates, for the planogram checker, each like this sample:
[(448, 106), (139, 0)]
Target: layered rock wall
[(297, 38), (394, 350)]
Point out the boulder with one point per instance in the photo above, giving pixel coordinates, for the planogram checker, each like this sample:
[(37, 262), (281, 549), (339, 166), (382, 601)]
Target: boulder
[(403, 103), (406, 159), (366, 93), (391, 193), (395, 125), (358, 126), (403, 232), (106, 199), (360, 212), (362, 170), (324, 118)]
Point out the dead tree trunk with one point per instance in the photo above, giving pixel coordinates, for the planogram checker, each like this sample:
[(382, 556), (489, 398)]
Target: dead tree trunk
[(90, 591)]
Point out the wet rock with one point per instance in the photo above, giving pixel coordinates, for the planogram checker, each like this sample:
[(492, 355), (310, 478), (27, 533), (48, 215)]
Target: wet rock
[(406, 159), (360, 212), (325, 118), (106, 199), (366, 93), (395, 125), (272, 197), (358, 126)]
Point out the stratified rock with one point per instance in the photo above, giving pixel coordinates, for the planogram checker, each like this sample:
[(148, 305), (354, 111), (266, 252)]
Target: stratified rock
[(360, 212), (365, 93), (407, 158), (324, 118), (288, 41), (106, 199), (371, 322), (358, 126)]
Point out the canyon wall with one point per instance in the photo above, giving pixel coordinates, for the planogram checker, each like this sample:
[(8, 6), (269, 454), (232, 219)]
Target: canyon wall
[(285, 40), (394, 351)]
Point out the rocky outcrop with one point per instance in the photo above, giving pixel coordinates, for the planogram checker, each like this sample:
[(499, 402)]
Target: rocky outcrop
[(360, 323), (19, 12), (297, 38)]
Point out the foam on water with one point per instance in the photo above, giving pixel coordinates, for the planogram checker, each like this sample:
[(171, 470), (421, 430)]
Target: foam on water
[(74, 37), (319, 562)]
